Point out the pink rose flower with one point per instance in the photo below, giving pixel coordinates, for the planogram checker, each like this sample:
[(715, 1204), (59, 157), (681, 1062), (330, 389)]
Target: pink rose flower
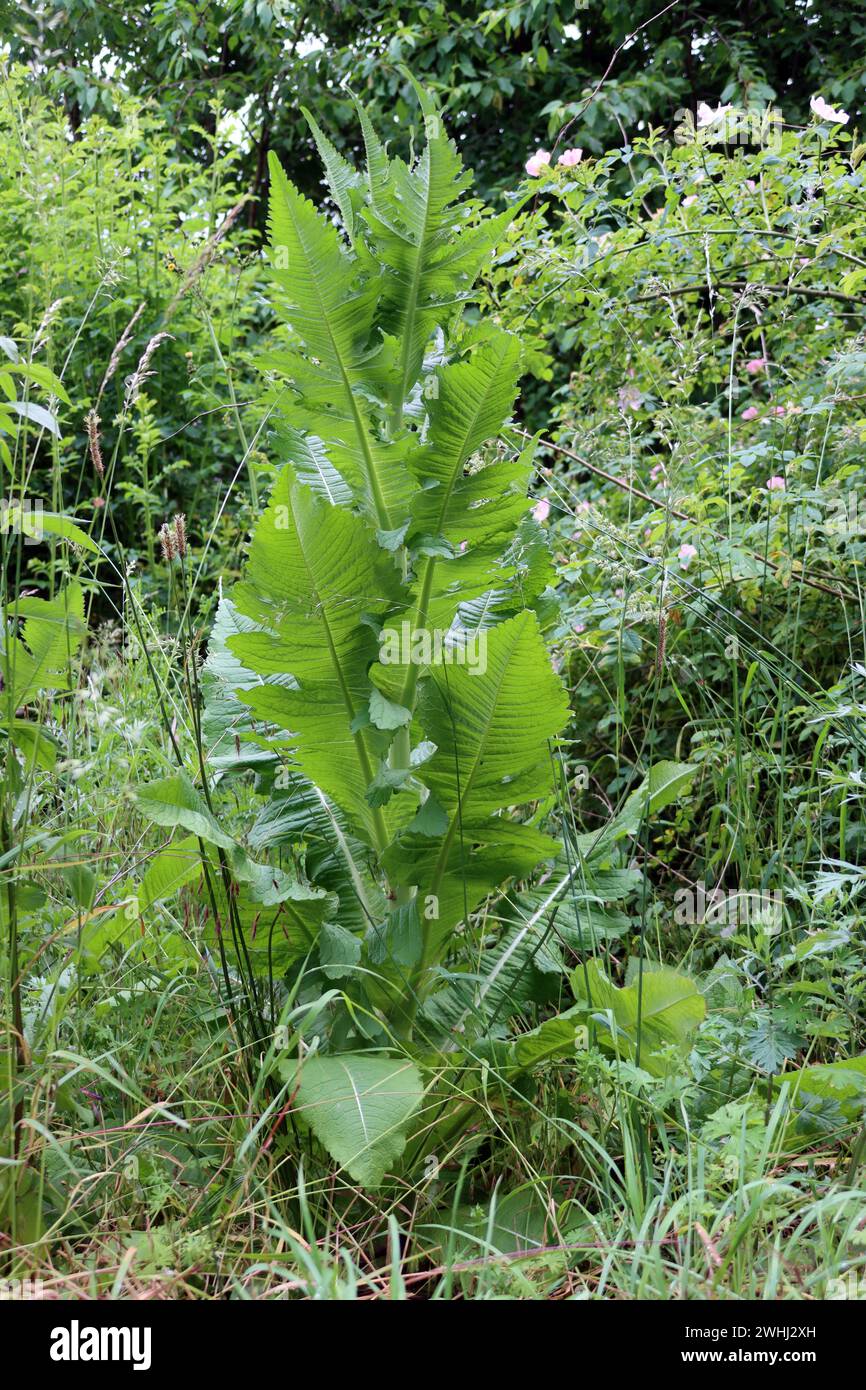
[(541, 510), (750, 413), (569, 158), (537, 162), (687, 554), (757, 364), (776, 484)]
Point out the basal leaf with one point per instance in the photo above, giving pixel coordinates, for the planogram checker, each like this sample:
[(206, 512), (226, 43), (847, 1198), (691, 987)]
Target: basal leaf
[(359, 1107)]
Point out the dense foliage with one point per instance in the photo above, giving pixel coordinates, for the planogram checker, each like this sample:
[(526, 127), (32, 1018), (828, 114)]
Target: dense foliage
[(509, 73), (431, 708)]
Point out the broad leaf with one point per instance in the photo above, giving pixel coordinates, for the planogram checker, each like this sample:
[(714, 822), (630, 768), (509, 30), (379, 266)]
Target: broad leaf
[(314, 574), (359, 1107), (645, 1017)]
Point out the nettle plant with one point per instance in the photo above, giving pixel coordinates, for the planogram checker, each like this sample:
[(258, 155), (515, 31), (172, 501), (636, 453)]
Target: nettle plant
[(382, 666)]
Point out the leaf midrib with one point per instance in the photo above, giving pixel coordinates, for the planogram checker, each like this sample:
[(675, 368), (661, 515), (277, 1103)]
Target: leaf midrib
[(442, 861), (360, 429), (380, 830)]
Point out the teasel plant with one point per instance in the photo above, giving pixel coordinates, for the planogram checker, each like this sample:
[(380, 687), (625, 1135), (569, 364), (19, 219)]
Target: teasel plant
[(382, 670)]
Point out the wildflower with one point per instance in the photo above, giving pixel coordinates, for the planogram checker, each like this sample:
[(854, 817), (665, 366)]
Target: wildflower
[(750, 413), (780, 410), (757, 364), (692, 198), (180, 534), (98, 502), (569, 158), (708, 115), (775, 484), (541, 510), (825, 112), (686, 555), (537, 162), (629, 398)]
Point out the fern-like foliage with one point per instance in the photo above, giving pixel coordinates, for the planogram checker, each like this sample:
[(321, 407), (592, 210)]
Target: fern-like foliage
[(382, 663)]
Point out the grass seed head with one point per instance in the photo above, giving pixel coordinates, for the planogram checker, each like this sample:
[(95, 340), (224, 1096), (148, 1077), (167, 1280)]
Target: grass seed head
[(91, 424), (166, 540)]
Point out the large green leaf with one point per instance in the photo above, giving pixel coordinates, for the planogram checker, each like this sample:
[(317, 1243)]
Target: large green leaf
[(472, 401), (342, 177), (35, 745), (660, 1011), (358, 1107), (489, 757), (331, 306), (843, 1082), (314, 577), (468, 514), (52, 633), (174, 802), (319, 284), (53, 524), (414, 224), (169, 871)]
